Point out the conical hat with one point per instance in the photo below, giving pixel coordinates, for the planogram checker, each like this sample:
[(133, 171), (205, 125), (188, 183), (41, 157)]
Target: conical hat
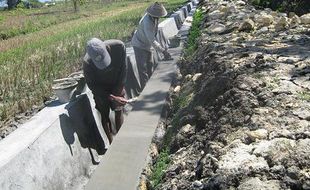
[(156, 10)]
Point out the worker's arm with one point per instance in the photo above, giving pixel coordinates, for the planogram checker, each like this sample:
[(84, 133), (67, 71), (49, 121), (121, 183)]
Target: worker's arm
[(149, 30)]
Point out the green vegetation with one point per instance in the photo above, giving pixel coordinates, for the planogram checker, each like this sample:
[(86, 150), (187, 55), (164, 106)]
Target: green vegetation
[(163, 159), (298, 6), (304, 96), (18, 22), (194, 33), (159, 168), (29, 63)]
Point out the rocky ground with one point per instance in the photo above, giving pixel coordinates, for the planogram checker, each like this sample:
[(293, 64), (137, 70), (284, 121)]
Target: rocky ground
[(241, 110)]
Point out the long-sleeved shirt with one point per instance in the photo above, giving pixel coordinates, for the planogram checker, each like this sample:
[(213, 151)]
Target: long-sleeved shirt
[(145, 35), (111, 79)]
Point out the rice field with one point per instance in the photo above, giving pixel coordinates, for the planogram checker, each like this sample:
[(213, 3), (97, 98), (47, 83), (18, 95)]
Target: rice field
[(29, 63)]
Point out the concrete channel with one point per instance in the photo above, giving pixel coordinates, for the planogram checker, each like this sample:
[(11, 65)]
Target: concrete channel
[(64, 146)]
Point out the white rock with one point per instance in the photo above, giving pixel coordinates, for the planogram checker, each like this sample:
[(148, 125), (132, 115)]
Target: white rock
[(242, 16), (256, 183), (264, 20), (305, 19), (197, 183), (240, 159), (196, 76), (186, 128), (215, 15), (188, 77), (216, 28), (223, 9), (282, 14), (240, 3), (263, 30), (177, 89), (258, 134), (302, 113), (277, 150)]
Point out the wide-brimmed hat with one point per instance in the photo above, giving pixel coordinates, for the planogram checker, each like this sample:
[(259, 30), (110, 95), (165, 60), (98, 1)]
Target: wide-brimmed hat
[(96, 50), (156, 10)]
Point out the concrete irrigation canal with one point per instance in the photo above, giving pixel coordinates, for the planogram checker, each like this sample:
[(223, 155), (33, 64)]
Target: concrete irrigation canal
[(64, 146)]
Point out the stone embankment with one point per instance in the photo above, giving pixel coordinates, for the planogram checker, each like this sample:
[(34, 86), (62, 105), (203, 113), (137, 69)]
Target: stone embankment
[(246, 125)]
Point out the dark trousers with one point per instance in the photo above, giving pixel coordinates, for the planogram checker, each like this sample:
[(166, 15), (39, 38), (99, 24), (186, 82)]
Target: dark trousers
[(145, 65)]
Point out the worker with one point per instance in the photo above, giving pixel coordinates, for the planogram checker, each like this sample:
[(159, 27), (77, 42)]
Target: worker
[(144, 38), (105, 72)]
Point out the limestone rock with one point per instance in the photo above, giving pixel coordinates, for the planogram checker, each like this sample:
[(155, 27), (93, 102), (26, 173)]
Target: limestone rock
[(302, 152), (239, 159), (188, 77), (215, 15), (177, 89), (247, 25), (242, 16), (216, 28), (257, 134), (263, 30), (302, 113), (240, 3), (282, 24), (256, 183), (187, 129), (305, 19), (276, 150), (264, 20), (197, 184), (196, 76)]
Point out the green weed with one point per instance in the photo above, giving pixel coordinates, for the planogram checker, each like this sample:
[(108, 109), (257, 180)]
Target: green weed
[(304, 96), (194, 33), (159, 168)]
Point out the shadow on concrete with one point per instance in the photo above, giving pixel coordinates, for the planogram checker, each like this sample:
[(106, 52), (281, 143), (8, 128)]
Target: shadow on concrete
[(80, 120), (147, 104)]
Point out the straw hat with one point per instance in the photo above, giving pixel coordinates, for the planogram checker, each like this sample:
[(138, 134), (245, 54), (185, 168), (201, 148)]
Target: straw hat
[(156, 10), (96, 51)]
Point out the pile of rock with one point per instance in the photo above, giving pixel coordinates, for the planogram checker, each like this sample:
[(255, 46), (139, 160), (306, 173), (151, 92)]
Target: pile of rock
[(247, 125)]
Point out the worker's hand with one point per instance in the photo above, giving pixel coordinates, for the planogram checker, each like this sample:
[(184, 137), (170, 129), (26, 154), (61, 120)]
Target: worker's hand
[(167, 55), (120, 100)]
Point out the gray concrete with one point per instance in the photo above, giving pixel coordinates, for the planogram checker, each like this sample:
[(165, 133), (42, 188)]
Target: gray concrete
[(184, 30), (181, 14), (168, 27), (57, 149), (121, 167)]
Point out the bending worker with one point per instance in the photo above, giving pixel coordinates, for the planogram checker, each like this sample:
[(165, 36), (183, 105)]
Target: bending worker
[(145, 37), (105, 73)]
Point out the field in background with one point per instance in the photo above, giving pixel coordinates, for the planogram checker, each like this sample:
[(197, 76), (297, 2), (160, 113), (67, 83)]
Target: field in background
[(30, 62)]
